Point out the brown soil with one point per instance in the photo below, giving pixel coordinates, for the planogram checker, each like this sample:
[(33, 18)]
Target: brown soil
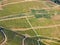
[(56, 17)]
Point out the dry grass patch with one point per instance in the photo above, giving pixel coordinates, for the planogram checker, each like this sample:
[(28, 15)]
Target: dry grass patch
[(56, 17)]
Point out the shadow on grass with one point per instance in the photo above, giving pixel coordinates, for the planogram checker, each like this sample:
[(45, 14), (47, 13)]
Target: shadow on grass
[(31, 41), (13, 37)]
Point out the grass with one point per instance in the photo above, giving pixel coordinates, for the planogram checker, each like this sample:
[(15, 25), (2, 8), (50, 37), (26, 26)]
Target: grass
[(48, 32), (40, 21), (22, 7), (16, 39), (51, 43), (54, 43), (13, 38), (57, 21), (1, 36), (49, 4), (58, 31), (56, 10), (43, 13), (15, 23), (32, 42), (29, 32), (9, 1)]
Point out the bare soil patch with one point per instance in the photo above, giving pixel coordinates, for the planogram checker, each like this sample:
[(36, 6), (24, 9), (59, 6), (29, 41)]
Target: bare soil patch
[(56, 17)]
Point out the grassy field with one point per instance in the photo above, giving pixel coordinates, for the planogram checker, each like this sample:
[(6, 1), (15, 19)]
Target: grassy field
[(32, 42), (57, 21), (16, 39), (13, 38), (40, 21), (9, 1), (54, 43), (22, 7), (50, 43), (50, 4), (28, 32), (1, 36), (22, 23), (15, 23), (48, 32)]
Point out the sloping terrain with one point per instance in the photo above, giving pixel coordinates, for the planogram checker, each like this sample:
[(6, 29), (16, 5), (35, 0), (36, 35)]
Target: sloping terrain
[(26, 22)]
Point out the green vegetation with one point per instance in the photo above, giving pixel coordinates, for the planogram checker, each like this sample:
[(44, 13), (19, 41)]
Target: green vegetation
[(13, 38), (28, 32), (32, 42), (39, 11), (10, 1), (48, 32), (1, 36), (43, 13), (22, 7), (15, 23), (42, 17), (22, 23), (49, 4), (40, 21), (16, 39), (51, 43)]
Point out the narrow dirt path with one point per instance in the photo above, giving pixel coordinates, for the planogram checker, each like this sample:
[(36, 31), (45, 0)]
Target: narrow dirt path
[(52, 41), (45, 42), (37, 27), (17, 2), (14, 18), (49, 41), (28, 1)]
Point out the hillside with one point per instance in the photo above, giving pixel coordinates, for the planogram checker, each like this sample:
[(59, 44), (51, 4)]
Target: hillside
[(29, 22)]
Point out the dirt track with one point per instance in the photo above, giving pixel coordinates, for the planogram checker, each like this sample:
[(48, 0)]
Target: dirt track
[(38, 27)]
